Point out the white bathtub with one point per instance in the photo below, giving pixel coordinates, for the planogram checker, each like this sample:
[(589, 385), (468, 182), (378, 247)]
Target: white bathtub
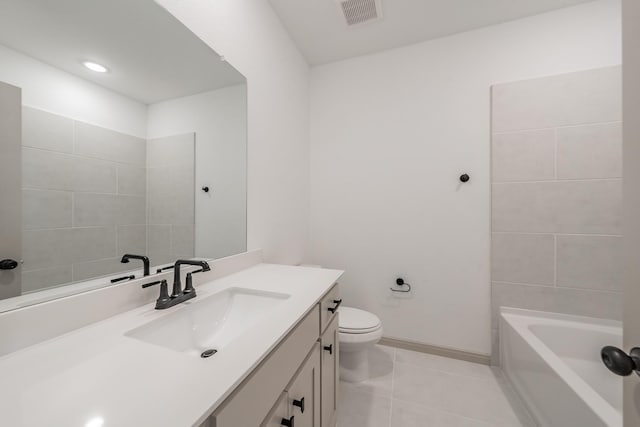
[(553, 362)]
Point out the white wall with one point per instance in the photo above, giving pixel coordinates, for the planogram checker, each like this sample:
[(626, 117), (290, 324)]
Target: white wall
[(391, 133), (219, 120), (47, 88), (250, 36)]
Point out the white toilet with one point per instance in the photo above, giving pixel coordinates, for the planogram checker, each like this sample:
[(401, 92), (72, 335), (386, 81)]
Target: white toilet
[(358, 331)]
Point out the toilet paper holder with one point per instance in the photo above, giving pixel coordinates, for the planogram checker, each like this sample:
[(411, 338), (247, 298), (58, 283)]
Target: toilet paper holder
[(400, 282)]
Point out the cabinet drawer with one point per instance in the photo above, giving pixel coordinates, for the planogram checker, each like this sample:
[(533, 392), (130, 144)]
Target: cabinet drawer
[(252, 400), (328, 305)]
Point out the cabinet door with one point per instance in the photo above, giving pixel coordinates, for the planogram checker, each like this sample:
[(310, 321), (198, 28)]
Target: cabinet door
[(304, 392), (329, 372), (279, 415)]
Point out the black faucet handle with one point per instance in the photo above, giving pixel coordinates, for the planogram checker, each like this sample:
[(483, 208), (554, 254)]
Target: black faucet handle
[(169, 267), (164, 295), (188, 287), (147, 285)]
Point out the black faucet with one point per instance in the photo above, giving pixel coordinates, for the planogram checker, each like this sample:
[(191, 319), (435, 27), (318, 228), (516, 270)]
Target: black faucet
[(177, 286), (145, 261), (178, 295)]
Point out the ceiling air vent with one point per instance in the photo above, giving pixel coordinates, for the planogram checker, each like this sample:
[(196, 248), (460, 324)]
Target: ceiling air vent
[(360, 11)]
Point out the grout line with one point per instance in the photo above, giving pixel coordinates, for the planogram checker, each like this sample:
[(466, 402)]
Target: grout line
[(571, 288), (555, 260), (578, 125), (544, 233), (548, 181), (555, 153)]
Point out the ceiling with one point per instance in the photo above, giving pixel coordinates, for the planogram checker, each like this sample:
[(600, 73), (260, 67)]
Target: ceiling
[(151, 56), (320, 31)]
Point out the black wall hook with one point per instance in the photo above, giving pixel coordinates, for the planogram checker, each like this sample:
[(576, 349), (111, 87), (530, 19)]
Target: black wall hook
[(400, 282), (464, 178)]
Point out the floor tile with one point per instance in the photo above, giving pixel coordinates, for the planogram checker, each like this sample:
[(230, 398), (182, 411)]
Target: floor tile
[(405, 414), (472, 397), (381, 360), (359, 408), (409, 389), (444, 364)]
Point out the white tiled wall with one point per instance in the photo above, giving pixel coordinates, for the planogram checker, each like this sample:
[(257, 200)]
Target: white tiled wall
[(171, 205), (557, 194), (84, 199)]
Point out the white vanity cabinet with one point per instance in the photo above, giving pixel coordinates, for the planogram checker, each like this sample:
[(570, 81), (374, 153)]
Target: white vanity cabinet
[(330, 370), (304, 392), (301, 372)]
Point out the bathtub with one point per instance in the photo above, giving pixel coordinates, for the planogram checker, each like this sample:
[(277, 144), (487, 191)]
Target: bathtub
[(553, 363)]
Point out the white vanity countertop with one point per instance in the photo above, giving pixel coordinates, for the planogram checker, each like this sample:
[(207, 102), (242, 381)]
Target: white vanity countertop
[(97, 373)]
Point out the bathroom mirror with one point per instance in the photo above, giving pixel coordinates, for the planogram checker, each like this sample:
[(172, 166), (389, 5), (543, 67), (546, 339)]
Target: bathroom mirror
[(121, 132)]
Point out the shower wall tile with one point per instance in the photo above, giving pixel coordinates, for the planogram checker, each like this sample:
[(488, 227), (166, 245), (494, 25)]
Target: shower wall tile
[(570, 99), (160, 209), (557, 195), (92, 209), (132, 239), (589, 207), (46, 131), (94, 175), (47, 248), (106, 209), (131, 210), (93, 243), (523, 258), (36, 280), (158, 182), (46, 169), (183, 241), (182, 180), (183, 209), (605, 305), (132, 180), (560, 206), (46, 209), (159, 244), (593, 151), (174, 151), (171, 184), (591, 262), (524, 156), (84, 199), (94, 141)]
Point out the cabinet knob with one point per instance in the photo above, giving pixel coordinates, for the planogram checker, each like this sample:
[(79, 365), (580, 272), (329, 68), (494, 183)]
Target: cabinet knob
[(299, 404), (8, 264), (287, 422), (337, 303), (328, 348)]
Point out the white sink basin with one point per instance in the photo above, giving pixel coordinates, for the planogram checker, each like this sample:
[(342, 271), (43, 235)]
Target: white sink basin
[(210, 323)]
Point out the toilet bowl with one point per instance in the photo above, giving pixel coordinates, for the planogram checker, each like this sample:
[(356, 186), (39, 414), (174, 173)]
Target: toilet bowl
[(358, 331)]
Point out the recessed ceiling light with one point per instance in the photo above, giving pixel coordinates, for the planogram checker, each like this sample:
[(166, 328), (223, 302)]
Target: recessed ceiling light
[(95, 422), (93, 66)]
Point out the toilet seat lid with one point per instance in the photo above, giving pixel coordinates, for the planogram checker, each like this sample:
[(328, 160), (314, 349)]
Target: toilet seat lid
[(355, 321)]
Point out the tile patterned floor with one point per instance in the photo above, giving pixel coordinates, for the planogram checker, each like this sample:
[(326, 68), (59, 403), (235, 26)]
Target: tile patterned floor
[(410, 389)]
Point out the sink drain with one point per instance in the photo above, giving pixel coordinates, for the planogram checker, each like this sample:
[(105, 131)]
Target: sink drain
[(208, 353)]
